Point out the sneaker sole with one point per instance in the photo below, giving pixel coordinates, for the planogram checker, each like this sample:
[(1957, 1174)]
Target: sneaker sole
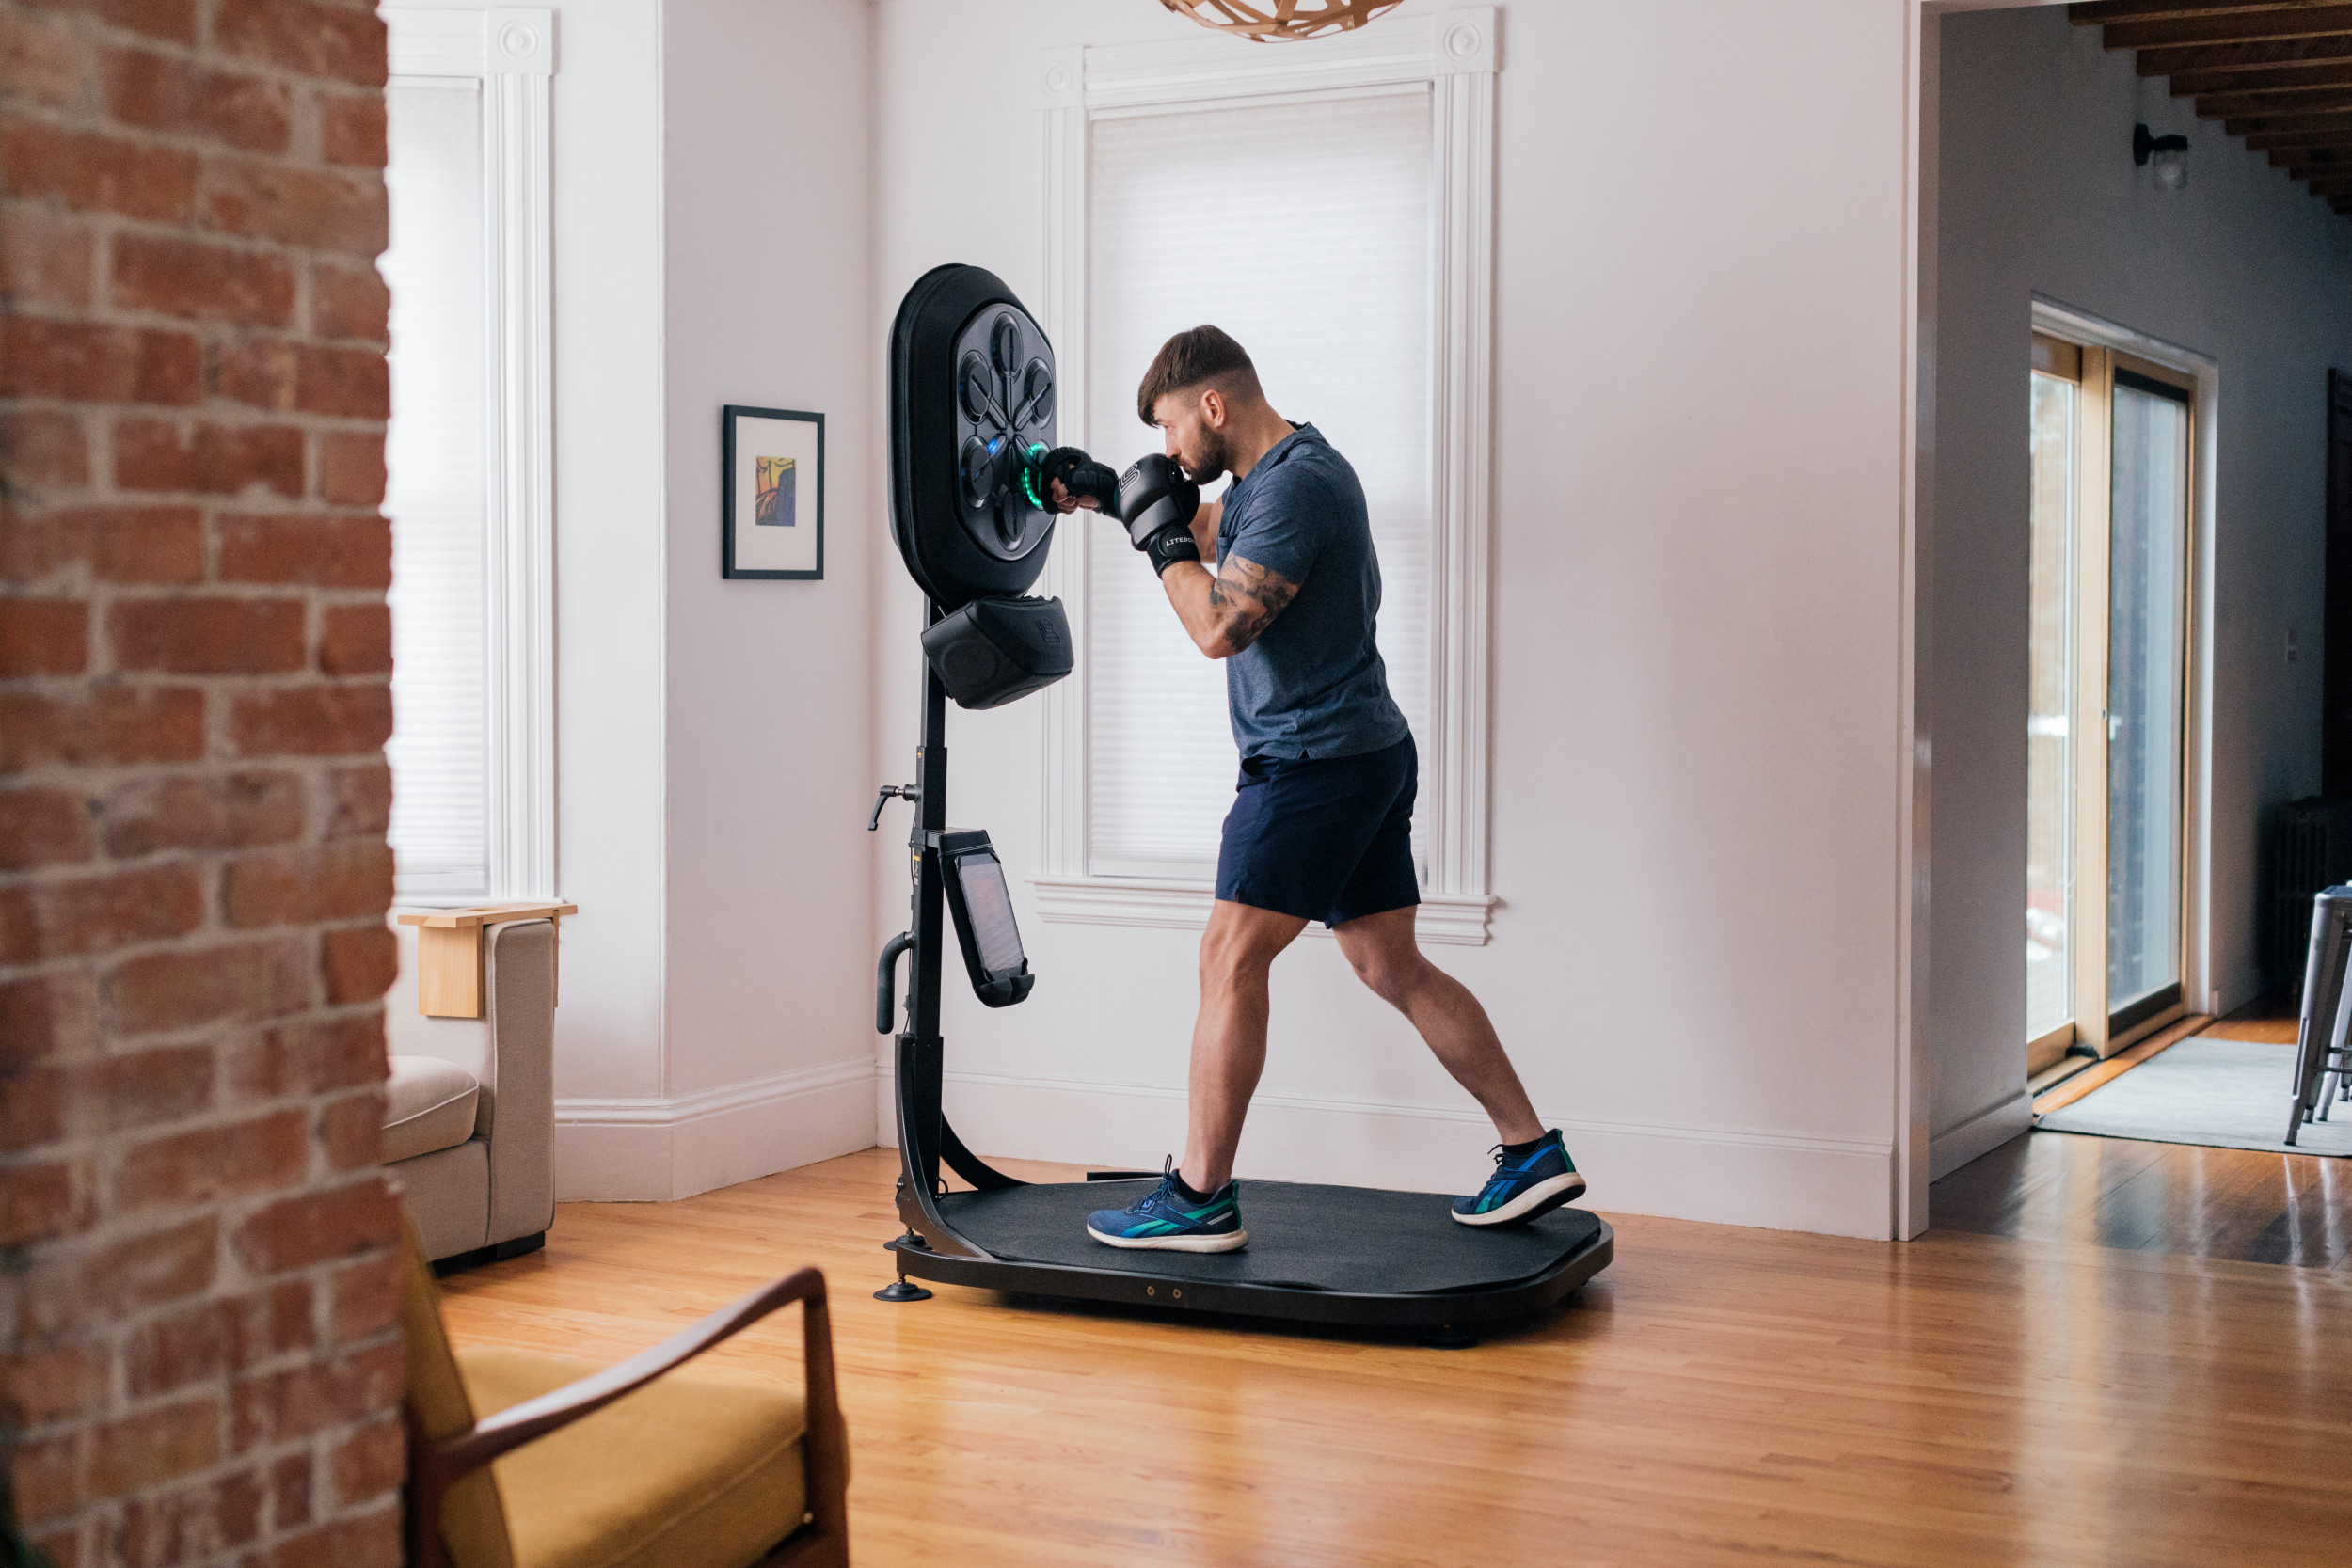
[(1537, 1201), (1231, 1241)]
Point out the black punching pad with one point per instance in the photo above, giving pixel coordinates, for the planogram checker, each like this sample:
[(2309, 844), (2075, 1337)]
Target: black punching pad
[(972, 393)]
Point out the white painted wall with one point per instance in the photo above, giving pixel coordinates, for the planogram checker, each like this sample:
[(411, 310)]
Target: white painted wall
[(1698, 455), (2038, 193)]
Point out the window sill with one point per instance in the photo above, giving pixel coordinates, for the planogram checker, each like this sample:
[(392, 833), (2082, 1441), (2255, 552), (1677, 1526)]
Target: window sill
[(1445, 920)]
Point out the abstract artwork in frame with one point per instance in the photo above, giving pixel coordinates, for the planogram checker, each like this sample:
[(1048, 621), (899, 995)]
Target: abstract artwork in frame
[(773, 488)]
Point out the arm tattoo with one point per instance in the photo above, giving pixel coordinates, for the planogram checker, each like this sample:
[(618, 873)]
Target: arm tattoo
[(1246, 598)]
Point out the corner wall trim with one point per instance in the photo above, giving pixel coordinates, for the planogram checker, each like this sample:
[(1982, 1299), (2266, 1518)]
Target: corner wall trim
[(686, 1109), (1981, 1133), (655, 1148)]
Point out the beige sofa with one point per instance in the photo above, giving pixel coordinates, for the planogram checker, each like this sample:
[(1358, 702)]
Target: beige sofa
[(469, 1123)]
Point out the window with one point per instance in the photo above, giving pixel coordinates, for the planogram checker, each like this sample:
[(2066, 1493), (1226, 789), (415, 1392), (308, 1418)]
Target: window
[(1337, 220), (2108, 724), (468, 456), (1319, 266)]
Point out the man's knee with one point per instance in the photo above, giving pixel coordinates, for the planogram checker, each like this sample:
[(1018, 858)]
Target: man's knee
[(1227, 957), (1392, 973)]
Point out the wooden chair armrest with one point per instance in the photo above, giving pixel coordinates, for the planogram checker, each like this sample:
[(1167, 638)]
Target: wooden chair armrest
[(437, 1464)]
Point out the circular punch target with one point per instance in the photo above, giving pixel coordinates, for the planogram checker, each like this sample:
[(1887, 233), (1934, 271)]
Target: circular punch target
[(972, 387)]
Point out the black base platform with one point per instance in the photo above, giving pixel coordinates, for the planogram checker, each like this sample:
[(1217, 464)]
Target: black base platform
[(1331, 1255)]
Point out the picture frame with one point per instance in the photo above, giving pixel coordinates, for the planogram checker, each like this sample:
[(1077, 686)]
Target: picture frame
[(772, 487)]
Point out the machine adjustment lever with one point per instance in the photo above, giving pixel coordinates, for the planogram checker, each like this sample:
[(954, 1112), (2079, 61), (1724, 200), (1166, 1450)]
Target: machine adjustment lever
[(908, 793), (886, 979)]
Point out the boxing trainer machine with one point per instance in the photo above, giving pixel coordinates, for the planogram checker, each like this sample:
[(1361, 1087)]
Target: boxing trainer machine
[(972, 453)]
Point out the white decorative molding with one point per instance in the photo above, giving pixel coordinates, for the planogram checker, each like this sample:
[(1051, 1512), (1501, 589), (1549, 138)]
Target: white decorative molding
[(1457, 920), (1981, 1133), (686, 1109), (657, 1148), (1454, 54), (511, 52), (1726, 1174)]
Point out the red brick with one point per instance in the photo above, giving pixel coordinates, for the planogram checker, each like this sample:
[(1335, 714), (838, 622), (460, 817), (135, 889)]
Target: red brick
[(310, 1059), (161, 92), (319, 210), (99, 914), (311, 721), (307, 39), (182, 1170), (42, 61), (352, 382), (320, 1228), (359, 963), (290, 1492), (45, 256), (350, 302), (350, 468), (50, 1385), (164, 19), (111, 726), (43, 636), (362, 802), (233, 811), (283, 1406), (209, 636), (43, 827), (181, 1348), (176, 991), (154, 1445), (132, 545), (146, 1089), (97, 173), (349, 880), (48, 1475), (351, 129), (370, 1463), (48, 1018), (39, 1201), (355, 639), (74, 361), (255, 372), (208, 459), (351, 1131), (194, 1523), (40, 448), (366, 1299), (33, 1109), (315, 549), (167, 1265), (70, 1546), (372, 1541), (200, 281)]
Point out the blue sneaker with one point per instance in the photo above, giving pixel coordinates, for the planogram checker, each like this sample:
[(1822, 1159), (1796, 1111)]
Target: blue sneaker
[(1163, 1221), (1524, 1185)]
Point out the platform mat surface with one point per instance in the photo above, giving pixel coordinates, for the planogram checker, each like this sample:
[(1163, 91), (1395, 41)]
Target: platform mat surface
[(1358, 1240), (2225, 1094)]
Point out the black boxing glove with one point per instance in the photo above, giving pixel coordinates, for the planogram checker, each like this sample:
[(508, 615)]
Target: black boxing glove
[(1157, 503), (1080, 474)]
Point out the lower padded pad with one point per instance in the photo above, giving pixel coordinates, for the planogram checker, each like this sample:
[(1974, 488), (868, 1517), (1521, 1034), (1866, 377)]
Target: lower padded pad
[(1362, 1241)]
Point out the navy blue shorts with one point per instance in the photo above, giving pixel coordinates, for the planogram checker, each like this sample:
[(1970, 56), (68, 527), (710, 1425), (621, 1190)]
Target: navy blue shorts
[(1323, 838)]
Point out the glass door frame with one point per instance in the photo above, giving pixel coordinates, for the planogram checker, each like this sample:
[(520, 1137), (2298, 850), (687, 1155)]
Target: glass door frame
[(2061, 342)]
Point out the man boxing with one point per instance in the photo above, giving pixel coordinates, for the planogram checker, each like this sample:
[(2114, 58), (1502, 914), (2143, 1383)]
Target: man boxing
[(1320, 824)]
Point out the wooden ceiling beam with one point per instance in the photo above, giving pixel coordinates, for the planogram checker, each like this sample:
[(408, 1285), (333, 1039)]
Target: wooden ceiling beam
[(2305, 165), (2334, 73), (2098, 11), (2250, 125), (2336, 182), (2230, 26), (2240, 56), (2275, 142), (2236, 106)]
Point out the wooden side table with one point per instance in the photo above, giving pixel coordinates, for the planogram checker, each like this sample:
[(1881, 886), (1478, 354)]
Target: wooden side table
[(449, 953)]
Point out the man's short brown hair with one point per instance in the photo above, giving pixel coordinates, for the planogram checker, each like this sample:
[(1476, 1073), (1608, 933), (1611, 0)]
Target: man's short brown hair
[(1193, 358)]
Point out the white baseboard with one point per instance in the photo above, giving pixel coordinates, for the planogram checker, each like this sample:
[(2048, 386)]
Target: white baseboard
[(2235, 992), (1727, 1176), (1980, 1134), (651, 1150)]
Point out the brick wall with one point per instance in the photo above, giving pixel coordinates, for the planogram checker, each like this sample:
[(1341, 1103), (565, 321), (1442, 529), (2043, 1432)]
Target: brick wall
[(195, 1288)]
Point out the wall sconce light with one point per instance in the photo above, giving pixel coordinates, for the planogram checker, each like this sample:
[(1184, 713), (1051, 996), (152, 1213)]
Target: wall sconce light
[(2169, 154)]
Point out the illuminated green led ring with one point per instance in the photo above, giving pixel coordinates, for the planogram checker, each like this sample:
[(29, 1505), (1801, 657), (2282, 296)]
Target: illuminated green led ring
[(1028, 474)]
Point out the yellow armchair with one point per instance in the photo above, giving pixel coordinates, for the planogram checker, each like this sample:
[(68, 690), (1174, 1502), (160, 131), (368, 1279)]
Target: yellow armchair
[(528, 1460)]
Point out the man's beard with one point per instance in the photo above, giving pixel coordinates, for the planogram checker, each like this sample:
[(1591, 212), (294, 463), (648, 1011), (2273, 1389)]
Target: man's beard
[(1215, 456)]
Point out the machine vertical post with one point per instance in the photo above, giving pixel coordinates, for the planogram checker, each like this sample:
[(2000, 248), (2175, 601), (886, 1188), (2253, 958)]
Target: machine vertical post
[(920, 1050)]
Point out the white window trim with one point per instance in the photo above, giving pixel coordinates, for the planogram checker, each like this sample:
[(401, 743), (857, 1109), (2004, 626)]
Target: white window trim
[(1454, 53), (511, 52)]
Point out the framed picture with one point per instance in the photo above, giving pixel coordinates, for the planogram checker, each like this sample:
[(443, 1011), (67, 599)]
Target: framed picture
[(773, 483)]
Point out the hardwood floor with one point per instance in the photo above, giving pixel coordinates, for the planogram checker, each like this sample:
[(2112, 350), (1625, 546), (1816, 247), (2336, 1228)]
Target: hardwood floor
[(1719, 1396)]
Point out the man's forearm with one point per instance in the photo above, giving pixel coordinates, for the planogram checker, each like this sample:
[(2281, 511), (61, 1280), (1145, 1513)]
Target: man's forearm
[(1190, 587), (1225, 613)]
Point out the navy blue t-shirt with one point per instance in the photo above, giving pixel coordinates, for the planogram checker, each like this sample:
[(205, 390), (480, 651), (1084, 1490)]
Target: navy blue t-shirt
[(1312, 684)]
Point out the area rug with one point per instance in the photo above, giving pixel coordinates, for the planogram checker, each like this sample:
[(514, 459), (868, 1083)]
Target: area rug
[(2226, 1094)]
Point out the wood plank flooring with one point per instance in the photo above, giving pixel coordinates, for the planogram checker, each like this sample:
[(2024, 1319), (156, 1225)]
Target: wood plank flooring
[(1720, 1395)]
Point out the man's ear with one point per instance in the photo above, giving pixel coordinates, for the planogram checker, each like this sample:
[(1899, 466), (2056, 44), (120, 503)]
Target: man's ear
[(1213, 408)]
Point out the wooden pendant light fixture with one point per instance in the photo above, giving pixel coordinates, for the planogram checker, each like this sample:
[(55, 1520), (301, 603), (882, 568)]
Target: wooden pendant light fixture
[(1281, 19)]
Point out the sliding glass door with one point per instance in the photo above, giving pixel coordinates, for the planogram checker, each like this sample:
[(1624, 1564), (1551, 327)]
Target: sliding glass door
[(2105, 725)]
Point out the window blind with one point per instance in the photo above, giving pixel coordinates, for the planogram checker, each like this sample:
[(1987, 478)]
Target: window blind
[(1304, 229), (437, 457)]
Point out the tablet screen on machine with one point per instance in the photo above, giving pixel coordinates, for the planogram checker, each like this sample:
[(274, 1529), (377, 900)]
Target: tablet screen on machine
[(989, 902)]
